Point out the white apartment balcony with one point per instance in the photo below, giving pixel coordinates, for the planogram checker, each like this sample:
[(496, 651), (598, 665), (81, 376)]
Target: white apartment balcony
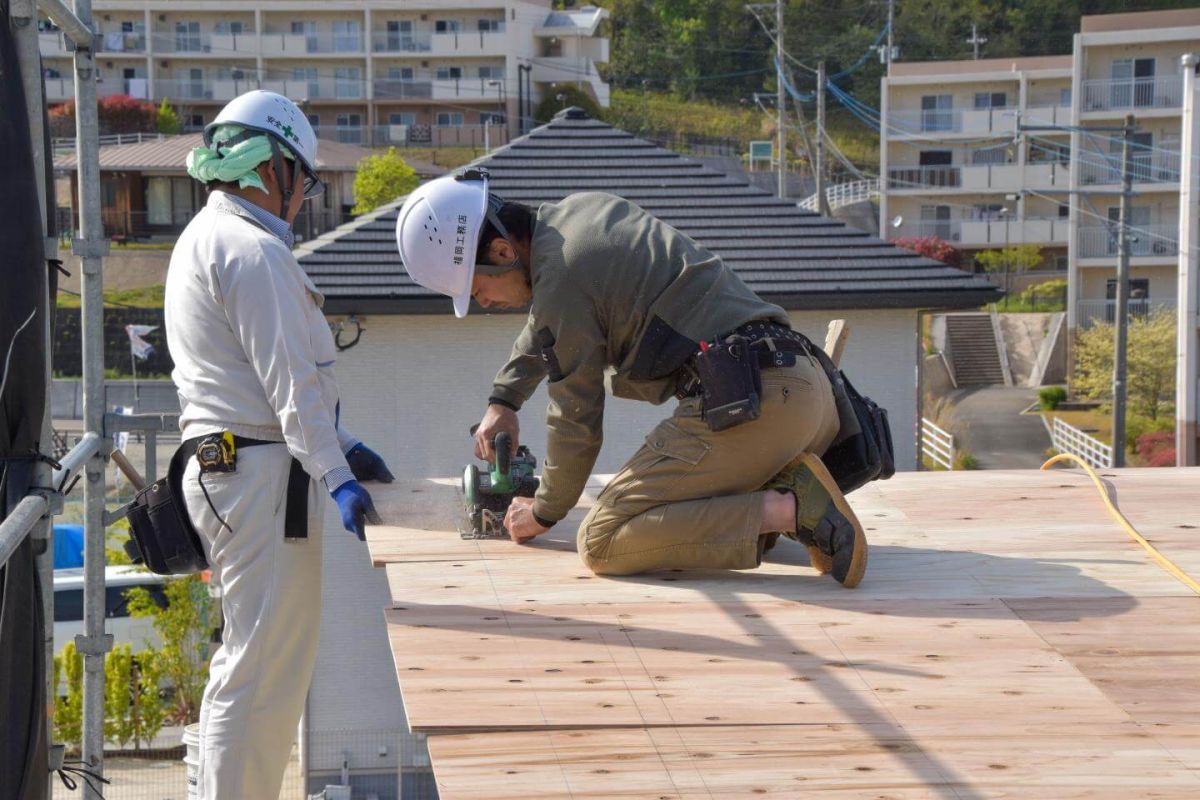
[(1157, 166), (1147, 241), (1090, 312), (221, 90), (318, 89), (216, 44), (59, 89), (399, 89), (397, 42), (950, 122), (1133, 94), (116, 43), (994, 233), (469, 43), (465, 89), (53, 44), (287, 44), (939, 177), (1047, 115), (992, 177)]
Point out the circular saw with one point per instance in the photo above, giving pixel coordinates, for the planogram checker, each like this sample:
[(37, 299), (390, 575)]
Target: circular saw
[(487, 495)]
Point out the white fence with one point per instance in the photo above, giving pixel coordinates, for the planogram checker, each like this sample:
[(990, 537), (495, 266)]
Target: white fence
[(937, 444), (844, 194), (1066, 438)]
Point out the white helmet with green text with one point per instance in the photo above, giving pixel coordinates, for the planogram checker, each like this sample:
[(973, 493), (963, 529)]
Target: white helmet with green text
[(438, 231)]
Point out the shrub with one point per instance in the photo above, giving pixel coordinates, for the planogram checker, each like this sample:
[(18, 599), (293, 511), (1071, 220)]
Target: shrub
[(381, 179), (932, 247), (1137, 426), (166, 120), (1157, 449), (1050, 397), (68, 710)]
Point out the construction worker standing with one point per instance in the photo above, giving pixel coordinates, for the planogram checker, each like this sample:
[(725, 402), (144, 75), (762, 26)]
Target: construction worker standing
[(254, 368), (615, 289)]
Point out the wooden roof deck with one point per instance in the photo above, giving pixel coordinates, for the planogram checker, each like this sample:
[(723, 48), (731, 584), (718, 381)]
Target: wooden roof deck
[(1009, 641)]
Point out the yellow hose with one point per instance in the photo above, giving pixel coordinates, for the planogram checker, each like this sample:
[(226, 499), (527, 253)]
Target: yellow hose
[(1116, 514)]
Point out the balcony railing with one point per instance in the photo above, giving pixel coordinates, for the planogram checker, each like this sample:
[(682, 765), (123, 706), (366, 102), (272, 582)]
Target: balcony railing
[(419, 135), (398, 42), (1154, 241), (1047, 115), (1131, 93), (1157, 166), (318, 88), (1090, 312), (947, 177), (118, 42), (400, 89), (286, 43), (991, 233), (977, 121), (200, 43)]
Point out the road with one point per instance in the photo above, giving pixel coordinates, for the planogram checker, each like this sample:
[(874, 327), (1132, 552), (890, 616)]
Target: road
[(989, 421)]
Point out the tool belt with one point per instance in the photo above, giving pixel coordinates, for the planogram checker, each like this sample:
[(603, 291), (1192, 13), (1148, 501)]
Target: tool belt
[(727, 376), (162, 536)]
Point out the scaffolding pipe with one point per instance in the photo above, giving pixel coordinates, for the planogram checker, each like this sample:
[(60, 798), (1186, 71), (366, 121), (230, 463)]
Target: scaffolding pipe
[(89, 245), (19, 523), (23, 14), (72, 25)]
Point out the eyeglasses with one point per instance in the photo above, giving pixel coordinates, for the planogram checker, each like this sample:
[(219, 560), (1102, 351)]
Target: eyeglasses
[(313, 186)]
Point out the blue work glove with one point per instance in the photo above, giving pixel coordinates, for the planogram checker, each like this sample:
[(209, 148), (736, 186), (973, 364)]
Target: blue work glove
[(355, 504), (366, 464)]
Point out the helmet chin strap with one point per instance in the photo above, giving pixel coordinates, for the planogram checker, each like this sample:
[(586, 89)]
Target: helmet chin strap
[(495, 203), (285, 192)]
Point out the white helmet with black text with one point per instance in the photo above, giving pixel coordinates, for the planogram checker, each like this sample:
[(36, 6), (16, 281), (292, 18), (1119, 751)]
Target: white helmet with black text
[(438, 231)]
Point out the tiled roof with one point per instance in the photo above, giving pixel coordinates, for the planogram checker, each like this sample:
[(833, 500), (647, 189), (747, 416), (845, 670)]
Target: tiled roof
[(168, 153), (790, 256)]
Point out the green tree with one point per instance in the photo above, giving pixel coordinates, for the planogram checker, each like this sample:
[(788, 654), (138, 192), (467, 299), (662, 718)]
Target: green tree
[(167, 120), (1150, 385), (119, 695), (1015, 258), (183, 625), (381, 179), (152, 710), (68, 710)]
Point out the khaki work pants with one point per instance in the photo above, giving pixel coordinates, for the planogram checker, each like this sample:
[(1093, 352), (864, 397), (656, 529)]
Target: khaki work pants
[(271, 589), (690, 497)]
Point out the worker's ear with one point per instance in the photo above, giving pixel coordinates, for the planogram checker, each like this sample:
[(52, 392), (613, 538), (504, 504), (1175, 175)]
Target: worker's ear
[(500, 252)]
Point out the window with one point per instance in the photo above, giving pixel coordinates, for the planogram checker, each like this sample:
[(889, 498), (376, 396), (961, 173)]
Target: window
[(492, 118), (1062, 263), (348, 82), (447, 26), (400, 35), (937, 112), (400, 73), (314, 120), (988, 212), (449, 73), (310, 84), (1064, 210), (187, 37), (991, 100), (990, 155), (492, 73), (68, 605), (1064, 96), (449, 119), (308, 30), (349, 128), (935, 158), (236, 28), (491, 25), (1132, 82), (346, 37), (402, 118), (194, 121), (935, 221)]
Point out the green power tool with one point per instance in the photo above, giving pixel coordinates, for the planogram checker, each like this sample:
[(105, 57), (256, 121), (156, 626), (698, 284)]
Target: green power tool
[(486, 496)]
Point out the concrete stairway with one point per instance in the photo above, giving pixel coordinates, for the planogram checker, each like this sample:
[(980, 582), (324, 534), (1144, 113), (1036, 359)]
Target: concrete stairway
[(972, 348)]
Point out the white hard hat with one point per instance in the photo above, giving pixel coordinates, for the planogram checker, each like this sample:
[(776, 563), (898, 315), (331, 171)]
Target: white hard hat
[(437, 233), (275, 115)]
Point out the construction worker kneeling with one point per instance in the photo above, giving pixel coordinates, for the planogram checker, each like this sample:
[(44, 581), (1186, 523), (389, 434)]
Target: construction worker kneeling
[(615, 289)]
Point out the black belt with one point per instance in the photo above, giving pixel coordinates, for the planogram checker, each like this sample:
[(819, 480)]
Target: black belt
[(775, 345), (295, 520)]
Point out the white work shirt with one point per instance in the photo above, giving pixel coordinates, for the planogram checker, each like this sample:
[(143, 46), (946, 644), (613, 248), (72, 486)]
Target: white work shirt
[(252, 350)]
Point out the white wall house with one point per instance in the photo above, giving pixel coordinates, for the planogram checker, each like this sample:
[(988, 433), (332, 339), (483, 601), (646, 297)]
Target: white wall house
[(368, 72), (419, 378)]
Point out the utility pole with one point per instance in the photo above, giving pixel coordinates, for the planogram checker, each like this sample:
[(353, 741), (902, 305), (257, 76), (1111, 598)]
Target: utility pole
[(780, 106), (822, 200), (891, 24), (976, 39), (1122, 322), (1187, 379)]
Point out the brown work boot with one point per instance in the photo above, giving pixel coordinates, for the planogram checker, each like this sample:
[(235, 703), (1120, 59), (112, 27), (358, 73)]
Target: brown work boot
[(825, 523)]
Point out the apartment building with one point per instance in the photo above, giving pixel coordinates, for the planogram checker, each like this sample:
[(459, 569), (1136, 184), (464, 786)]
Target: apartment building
[(367, 72), (955, 167)]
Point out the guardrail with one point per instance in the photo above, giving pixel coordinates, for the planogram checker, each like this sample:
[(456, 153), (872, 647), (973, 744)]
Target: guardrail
[(1066, 438), (937, 444), (844, 194)]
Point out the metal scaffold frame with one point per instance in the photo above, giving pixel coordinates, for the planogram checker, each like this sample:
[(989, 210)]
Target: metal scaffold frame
[(31, 517)]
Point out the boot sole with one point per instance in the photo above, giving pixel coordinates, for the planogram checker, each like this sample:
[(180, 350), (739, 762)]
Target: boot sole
[(858, 559), (820, 562)]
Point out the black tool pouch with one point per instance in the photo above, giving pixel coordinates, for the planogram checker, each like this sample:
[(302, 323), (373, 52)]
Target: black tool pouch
[(862, 451), (161, 534), (732, 383)]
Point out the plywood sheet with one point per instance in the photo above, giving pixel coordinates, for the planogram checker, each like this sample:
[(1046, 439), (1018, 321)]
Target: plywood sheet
[(835, 761)]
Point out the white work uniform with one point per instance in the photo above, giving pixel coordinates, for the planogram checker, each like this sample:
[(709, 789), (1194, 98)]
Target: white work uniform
[(253, 355)]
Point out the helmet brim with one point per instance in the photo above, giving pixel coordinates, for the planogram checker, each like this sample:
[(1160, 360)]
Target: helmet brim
[(462, 303)]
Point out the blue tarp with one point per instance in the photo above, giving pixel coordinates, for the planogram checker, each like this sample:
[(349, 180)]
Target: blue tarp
[(68, 546)]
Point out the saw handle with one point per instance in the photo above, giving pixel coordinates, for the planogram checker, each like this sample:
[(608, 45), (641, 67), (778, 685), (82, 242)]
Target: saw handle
[(503, 445)]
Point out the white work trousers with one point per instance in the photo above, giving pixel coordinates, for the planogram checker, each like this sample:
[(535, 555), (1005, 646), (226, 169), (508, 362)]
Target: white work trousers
[(271, 598)]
